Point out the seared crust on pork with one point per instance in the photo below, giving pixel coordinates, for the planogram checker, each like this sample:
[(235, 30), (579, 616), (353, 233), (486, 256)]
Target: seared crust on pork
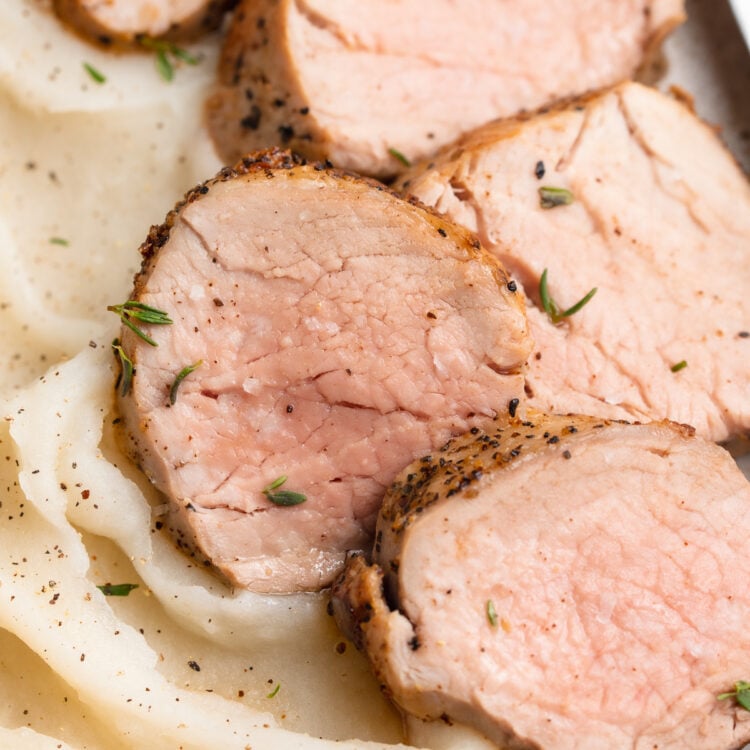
[(127, 22), (562, 582), (365, 83)]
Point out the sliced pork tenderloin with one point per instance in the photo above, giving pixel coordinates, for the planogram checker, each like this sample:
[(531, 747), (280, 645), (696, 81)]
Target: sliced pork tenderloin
[(127, 22), (563, 582), (365, 83), (658, 222), (331, 332)]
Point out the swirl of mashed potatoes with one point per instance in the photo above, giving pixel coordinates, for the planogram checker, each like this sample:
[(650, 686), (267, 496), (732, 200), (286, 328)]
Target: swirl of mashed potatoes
[(181, 661)]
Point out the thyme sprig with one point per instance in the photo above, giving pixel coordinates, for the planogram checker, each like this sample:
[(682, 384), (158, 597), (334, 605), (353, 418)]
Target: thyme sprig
[(96, 75), (283, 497), (396, 154), (125, 379), (491, 613), (550, 306), (164, 51), (117, 589), (132, 310), (551, 197), (181, 375), (275, 691), (741, 694)]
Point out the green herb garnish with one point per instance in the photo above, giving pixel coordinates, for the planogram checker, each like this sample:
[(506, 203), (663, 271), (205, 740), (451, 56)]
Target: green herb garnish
[(284, 497), (491, 613), (165, 51), (550, 306), (679, 366), (132, 310), (273, 693), (117, 589), (94, 73), (181, 375), (396, 154), (125, 380), (741, 694), (551, 197), (58, 241)]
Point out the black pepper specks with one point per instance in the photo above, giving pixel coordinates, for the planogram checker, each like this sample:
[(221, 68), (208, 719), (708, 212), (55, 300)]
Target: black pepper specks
[(252, 121), (513, 406), (539, 170), (194, 666), (512, 286)]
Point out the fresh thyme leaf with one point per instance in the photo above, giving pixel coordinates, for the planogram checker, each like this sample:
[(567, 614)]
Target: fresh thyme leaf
[(181, 375), (551, 197), (550, 306), (165, 68), (132, 310), (166, 54), (184, 55), (284, 497), (58, 241), (678, 366), (125, 379), (117, 589), (94, 73), (741, 694), (491, 613), (273, 693), (573, 309), (396, 154)]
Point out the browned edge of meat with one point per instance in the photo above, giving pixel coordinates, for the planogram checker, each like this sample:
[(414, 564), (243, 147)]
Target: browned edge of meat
[(502, 598), (253, 57), (267, 92), (108, 24)]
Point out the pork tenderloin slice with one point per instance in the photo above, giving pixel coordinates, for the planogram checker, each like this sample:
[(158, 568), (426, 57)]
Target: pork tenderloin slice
[(338, 332), (659, 224), (126, 22), (563, 582), (351, 81)]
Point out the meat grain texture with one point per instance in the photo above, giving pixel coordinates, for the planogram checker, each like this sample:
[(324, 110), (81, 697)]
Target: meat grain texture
[(338, 332), (659, 224), (563, 582), (352, 80), (126, 22)]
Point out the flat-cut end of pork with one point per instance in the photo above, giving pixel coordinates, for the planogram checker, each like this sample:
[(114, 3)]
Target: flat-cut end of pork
[(654, 213), (127, 22), (323, 330), (563, 582), (369, 84)]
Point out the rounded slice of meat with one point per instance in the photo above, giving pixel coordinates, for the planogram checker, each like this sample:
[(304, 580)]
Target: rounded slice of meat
[(125, 22), (369, 84), (563, 582), (630, 193), (323, 330)]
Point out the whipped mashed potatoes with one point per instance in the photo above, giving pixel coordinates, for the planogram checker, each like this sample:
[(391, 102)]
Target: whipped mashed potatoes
[(182, 661)]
